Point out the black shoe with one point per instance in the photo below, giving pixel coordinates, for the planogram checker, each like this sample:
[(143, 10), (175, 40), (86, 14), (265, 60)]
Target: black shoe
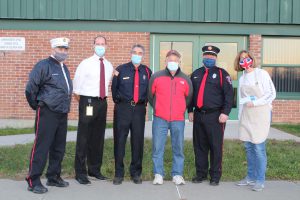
[(118, 180), (198, 179), (83, 180), (57, 182), (98, 176), (136, 179), (38, 189), (214, 183)]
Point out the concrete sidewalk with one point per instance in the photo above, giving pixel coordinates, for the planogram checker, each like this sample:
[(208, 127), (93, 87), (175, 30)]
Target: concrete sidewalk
[(104, 190), (231, 132)]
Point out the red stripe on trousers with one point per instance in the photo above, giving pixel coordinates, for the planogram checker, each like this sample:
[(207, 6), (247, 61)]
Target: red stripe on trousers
[(223, 129), (34, 145)]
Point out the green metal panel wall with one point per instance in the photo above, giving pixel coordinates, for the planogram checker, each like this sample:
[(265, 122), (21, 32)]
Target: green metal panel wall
[(227, 11), (273, 10), (236, 8)]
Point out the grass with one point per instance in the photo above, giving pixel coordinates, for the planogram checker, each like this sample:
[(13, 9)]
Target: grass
[(283, 160), (289, 128), (19, 131)]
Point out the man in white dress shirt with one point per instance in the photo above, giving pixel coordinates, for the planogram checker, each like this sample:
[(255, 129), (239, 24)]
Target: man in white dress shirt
[(91, 82)]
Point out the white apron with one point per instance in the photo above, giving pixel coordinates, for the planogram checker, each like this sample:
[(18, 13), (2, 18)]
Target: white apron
[(254, 122)]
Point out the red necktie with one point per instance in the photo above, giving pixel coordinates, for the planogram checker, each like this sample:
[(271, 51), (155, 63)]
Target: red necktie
[(136, 86), (102, 79), (201, 90)]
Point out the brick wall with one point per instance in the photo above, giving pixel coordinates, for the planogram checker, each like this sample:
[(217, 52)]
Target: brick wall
[(255, 46), (15, 66), (286, 111)]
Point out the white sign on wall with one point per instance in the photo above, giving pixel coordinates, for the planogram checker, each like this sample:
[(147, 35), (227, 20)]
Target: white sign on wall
[(12, 44)]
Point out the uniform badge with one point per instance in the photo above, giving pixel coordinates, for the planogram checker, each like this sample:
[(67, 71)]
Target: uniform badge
[(195, 77), (144, 77), (127, 77), (209, 48), (228, 80), (214, 76)]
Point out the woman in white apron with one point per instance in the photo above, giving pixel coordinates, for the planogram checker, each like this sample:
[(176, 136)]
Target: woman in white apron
[(256, 93)]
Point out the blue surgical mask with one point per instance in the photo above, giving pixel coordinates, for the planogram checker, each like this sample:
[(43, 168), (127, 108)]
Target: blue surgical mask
[(136, 59), (99, 50), (209, 62), (172, 66)]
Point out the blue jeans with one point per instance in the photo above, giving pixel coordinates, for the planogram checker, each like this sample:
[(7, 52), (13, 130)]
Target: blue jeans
[(256, 161), (159, 136)]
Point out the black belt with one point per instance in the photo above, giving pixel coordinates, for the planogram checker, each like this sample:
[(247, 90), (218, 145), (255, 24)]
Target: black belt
[(132, 103), (95, 98), (207, 111)]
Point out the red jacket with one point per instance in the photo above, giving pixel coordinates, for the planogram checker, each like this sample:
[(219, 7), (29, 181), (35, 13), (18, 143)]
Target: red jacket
[(168, 95)]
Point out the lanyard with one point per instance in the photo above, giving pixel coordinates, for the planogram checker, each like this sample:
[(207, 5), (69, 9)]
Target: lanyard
[(63, 70)]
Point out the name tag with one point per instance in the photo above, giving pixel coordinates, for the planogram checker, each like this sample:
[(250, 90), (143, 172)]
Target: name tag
[(127, 77), (89, 111)]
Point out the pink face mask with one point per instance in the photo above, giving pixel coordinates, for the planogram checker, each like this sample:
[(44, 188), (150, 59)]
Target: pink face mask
[(246, 63)]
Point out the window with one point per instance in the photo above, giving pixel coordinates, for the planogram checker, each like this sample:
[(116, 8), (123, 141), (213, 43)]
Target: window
[(281, 58), (226, 56), (186, 51)]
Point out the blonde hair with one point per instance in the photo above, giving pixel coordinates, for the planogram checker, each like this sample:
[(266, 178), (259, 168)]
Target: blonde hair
[(237, 66)]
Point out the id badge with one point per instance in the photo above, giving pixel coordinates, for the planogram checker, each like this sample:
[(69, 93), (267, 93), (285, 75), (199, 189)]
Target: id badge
[(89, 111)]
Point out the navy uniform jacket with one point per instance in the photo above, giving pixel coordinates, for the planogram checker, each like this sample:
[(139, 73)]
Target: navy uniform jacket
[(47, 85), (123, 80), (216, 95)]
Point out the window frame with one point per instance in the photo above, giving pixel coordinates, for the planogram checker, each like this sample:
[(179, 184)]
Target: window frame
[(280, 95)]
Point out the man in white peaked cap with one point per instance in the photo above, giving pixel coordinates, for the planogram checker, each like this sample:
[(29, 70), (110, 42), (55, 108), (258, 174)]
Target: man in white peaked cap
[(49, 92)]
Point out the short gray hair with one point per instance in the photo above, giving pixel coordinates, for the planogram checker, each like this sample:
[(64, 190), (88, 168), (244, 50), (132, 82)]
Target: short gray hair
[(138, 46)]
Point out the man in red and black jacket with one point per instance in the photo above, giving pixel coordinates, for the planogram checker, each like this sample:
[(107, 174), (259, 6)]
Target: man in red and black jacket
[(209, 110), (170, 92)]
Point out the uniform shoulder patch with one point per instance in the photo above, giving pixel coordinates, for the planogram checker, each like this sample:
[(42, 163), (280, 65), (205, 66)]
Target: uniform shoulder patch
[(229, 80)]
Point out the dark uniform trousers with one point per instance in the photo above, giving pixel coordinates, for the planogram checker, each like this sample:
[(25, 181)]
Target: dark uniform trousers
[(50, 139), (90, 136), (129, 117), (208, 135)]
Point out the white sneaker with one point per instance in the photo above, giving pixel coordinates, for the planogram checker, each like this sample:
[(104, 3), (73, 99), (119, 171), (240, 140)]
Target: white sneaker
[(258, 187), (178, 180), (158, 179), (245, 181)]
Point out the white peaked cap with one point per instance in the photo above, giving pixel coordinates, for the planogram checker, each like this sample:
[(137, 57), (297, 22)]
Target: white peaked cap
[(60, 42)]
